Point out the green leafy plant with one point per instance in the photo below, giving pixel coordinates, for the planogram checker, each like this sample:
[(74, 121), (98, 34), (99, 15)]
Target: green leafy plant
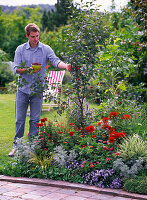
[(43, 162), (137, 184), (133, 147)]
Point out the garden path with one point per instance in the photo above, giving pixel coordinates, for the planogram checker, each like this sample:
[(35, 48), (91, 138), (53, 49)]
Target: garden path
[(38, 189)]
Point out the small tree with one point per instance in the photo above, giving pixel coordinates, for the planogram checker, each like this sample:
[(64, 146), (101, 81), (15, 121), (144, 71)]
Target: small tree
[(83, 35)]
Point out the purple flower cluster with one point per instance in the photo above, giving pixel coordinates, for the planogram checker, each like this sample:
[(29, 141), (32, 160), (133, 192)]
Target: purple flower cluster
[(116, 183), (72, 164), (102, 178)]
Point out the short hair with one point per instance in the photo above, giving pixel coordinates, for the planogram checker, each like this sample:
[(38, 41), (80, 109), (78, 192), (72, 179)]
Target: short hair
[(31, 28)]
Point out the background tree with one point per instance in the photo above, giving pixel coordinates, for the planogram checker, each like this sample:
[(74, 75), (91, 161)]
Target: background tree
[(52, 19)]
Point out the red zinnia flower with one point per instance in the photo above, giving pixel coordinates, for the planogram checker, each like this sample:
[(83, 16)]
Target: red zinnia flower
[(60, 132), (117, 154), (111, 139), (44, 119), (122, 134), (93, 136), (126, 117), (71, 133), (71, 124), (90, 129), (113, 115), (105, 120), (99, 123), (83, 145), (111, 130), (111, 149), (104, 126), (40, 124), (105, 148)]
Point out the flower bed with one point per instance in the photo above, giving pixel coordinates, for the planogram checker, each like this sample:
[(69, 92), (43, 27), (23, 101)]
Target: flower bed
[(89, 155)]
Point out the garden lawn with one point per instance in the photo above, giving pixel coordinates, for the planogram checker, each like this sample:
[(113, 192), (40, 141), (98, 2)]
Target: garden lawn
[(7, 126)]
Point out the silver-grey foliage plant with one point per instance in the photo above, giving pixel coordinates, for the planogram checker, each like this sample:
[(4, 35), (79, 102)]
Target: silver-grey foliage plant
[(61, 156), (130, 169)]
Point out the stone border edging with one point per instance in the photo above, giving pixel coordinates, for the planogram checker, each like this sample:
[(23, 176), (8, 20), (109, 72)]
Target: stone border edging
[(67, 185)]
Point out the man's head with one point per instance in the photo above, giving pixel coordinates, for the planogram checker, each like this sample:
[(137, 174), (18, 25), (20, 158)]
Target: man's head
[(31, 28), (32, 33)]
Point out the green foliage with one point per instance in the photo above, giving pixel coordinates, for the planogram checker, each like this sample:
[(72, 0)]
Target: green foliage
[(55, 18), (13, 24), (133, 147), (6, 75), (137, 184)]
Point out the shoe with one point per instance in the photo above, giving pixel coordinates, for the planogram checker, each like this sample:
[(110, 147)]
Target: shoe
[(11, 154)]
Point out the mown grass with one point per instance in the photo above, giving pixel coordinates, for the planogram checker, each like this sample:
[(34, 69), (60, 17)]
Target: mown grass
[(7, 125)]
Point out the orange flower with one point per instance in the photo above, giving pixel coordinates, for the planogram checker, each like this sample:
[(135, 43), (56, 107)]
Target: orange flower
[(65, 142), (90, 129), (90, 146), (81, 135)]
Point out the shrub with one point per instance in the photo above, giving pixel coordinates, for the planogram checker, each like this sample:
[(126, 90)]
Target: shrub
[(137, 184), (6, 75)]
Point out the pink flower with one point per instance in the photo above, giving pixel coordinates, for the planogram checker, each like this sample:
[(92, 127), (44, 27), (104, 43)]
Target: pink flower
[(42, 138), (84, 161), (92, 166), (108, 159), (82, 165), (97, 162), (36, 141), (111, 149)]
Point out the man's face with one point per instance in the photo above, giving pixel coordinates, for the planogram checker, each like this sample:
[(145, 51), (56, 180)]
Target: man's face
[(33, 39)]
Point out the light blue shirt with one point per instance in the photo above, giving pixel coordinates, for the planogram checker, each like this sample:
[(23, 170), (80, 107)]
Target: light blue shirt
[(41, 54)]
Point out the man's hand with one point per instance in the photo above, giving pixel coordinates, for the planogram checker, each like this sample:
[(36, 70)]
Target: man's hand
[(63, 65), (68, 67)]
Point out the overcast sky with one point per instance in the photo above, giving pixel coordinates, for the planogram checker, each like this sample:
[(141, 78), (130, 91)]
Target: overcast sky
[(105, 3)]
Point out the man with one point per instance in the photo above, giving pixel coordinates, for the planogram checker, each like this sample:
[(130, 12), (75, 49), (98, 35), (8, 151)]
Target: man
[(30, 52)]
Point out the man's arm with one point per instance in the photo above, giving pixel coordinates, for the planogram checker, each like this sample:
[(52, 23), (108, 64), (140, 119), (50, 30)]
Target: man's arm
[(63, 65)]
